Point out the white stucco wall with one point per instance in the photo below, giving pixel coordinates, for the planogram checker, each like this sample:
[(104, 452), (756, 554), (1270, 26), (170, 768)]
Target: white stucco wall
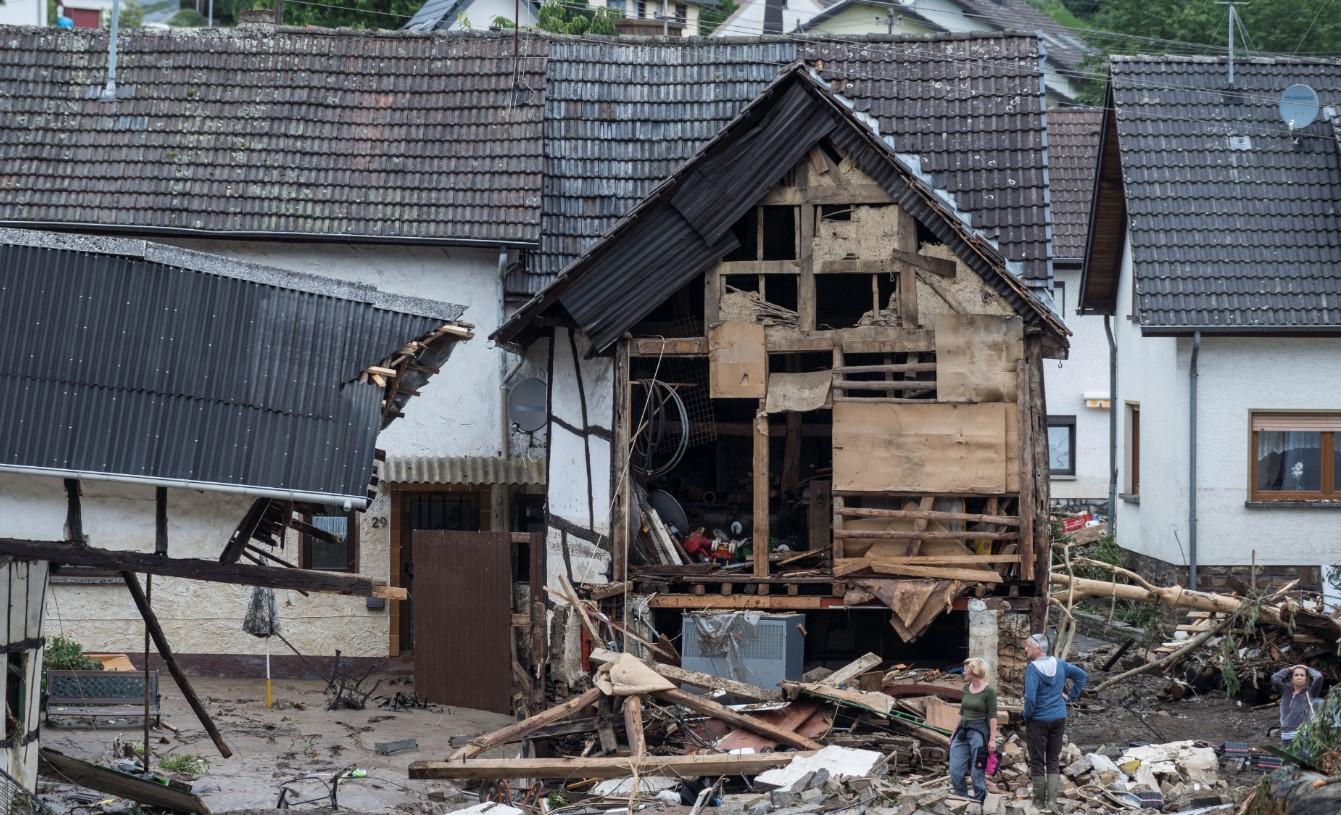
[(23, 12), (197, 617), (1152, 372), (748, 18), (1066, 381)]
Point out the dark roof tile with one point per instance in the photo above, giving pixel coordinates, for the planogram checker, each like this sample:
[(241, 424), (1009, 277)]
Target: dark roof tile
[(1073, 156)]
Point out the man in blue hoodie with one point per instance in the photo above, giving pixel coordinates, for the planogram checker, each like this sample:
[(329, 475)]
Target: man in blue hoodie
[(1045, 700)]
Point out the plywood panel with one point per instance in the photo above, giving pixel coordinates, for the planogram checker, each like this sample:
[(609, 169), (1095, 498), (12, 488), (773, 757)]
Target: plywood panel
[(737, 361), (931, 448), (976, 357)]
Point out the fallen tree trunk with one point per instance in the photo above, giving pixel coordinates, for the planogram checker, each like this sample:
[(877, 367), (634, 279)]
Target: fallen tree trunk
[(1178, 597), (694, 766)]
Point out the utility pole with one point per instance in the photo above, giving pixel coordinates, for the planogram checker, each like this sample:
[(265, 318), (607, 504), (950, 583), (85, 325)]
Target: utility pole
[(1233, 23), (889, 21), (279, 12), (665, 18)]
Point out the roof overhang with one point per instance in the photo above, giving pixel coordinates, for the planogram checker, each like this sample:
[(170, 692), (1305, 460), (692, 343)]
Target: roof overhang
[(289, 237), (1106, 235)]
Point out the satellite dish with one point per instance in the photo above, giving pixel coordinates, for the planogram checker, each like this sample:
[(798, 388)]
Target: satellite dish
[(526, 405), (1298, 106)]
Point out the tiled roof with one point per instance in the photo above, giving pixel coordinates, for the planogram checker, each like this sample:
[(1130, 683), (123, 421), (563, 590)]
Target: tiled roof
[(256, 130), (619, 118), (1073, 155), (1235, 223), (122, 359), (1062, 45)]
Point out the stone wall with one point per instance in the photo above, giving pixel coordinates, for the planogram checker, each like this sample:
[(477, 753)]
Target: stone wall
[(1228, 579)]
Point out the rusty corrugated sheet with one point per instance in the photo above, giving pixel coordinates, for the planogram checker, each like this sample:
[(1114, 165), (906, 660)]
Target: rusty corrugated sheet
[(462, 470)]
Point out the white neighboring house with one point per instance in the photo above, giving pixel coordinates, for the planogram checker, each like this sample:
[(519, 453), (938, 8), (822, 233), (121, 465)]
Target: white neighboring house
[(459, 15), (23, 12), (1213, 245), (1077, 387), (332, 191)]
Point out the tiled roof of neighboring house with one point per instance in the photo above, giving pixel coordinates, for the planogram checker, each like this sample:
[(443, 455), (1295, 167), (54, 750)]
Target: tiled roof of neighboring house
[(1062, 45), (127, 360), (1073, 155), (1235, 223), (283, 132), (619, 118)]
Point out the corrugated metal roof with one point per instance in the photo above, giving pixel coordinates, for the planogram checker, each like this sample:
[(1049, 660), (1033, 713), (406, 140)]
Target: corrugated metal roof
[(274, 131), (462, 470), (206, 372), (621, 117), (1073, 157), (1234, 221)]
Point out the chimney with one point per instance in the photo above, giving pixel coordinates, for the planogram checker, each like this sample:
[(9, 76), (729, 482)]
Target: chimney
[(773, 16)]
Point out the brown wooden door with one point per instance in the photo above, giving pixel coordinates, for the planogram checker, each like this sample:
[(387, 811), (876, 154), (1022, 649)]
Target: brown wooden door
[(463, 618)]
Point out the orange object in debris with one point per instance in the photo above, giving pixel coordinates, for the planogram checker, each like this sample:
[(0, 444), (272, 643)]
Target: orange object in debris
[(113, 662)]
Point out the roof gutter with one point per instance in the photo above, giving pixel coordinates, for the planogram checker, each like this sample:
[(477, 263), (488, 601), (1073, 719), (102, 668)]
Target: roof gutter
[(293, 237), (346, 502), (1242, 330)]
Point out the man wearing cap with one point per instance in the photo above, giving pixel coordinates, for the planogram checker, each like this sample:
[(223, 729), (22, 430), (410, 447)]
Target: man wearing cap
[(1045, 700)]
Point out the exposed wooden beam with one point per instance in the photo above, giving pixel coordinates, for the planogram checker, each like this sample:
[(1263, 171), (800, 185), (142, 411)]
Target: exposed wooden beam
[(930, 515), (195, 569), (165, 651), (756, 267), (759, 527), (701, 765), (74, 515), (847, 566), (854, 194), (910, 535), (686, 677), (704, 705), (766, 602), (160, 520), (519, 730), (633, 726)]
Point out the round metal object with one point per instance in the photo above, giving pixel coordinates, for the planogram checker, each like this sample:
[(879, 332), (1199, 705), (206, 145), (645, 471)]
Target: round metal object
[(526, 405)]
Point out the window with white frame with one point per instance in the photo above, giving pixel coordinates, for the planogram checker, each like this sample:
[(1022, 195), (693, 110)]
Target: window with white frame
[(1062, 445)]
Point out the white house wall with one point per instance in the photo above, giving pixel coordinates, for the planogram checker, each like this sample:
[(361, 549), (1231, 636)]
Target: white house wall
[(1085, 370), (1152, 371), (197, 617), (748, 19), (479, 15), (23, 12)]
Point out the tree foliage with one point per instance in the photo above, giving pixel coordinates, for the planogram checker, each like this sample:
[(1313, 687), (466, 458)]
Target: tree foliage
[(575, 18), (388, 14)]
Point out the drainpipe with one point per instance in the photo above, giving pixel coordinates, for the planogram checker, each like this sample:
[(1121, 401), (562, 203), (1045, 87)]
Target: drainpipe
[(1192, 463), (1112, 428), (505, 433)]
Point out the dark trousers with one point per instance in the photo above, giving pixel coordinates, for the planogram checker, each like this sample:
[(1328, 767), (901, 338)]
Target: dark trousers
[(1044, 740)]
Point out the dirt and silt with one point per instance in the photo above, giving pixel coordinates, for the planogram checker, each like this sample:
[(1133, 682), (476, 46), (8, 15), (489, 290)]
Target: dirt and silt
[(299, 744)]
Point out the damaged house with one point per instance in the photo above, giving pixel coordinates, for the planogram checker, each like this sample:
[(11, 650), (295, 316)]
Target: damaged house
[(154, 394), (795, 379)]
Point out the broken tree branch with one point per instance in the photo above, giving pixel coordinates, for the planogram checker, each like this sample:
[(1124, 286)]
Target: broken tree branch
[(1169, 660)]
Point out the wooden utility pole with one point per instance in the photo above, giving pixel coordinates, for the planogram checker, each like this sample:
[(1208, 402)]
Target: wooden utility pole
[(279, 12)]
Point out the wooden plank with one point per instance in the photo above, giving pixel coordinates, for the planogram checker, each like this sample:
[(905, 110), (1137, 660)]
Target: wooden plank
[(854, 194), (538, 632), (922, 448), (819, 514), (805, 291), (852, 670), (707, 707), (633, 726), (519, 730), (668, 347), (737, 361), (885, 385), (759, 525), (165, 651), (889, 367), (758, 267), (1024, 463), (119, 784), (847, 566), (744, 601), (913, 534), (696, 678), (930, 515), (68, 552), (977, 356), (872, 339), (941, 572), (867, 700), (701, 765), (899, 261)]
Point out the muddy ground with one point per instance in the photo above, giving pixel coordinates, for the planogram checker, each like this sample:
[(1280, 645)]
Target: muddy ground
[(298, 737)]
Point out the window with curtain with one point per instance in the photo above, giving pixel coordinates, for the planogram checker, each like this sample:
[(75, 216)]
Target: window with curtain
[(1295, 456), (325, 555)]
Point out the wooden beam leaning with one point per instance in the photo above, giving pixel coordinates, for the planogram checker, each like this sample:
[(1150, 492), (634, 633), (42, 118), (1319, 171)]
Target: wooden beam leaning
[(633, 726), (518, 730), (195, 569), (701, 765), (165, 651), (686, 677), (759, 532), (930, 515), (707, 707)]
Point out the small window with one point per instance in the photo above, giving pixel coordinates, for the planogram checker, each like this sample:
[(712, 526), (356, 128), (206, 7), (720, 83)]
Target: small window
[(616, 5), (1133, 449), (681, 13), (1062, 445), (328, 556), (642, 9), (1295, 456)]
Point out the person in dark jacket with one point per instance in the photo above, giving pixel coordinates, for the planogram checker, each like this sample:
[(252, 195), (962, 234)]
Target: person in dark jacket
[(1045, 701), (1300, 688)]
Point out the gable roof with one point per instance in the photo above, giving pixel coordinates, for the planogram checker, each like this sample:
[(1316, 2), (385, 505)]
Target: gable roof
[(621, 116), (1073, 155), (435, 15), (273, 132), (126, 360), (1234, 222), (683, 226)]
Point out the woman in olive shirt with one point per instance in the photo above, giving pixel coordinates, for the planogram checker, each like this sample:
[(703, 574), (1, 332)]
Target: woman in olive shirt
[(976, 733)]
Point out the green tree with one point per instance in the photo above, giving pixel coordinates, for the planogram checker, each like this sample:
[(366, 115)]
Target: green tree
[(131, 15), (710, 18), (388, 14), (575, 17)]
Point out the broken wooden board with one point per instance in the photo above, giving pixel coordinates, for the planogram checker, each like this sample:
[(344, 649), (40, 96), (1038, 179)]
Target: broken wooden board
[(694, 766), (122, 785), (925, 448), (867, 700), (799, 393), (807, 719), (737, 361), (675, 673), (976, 357), (851, 565), (913, 604)]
